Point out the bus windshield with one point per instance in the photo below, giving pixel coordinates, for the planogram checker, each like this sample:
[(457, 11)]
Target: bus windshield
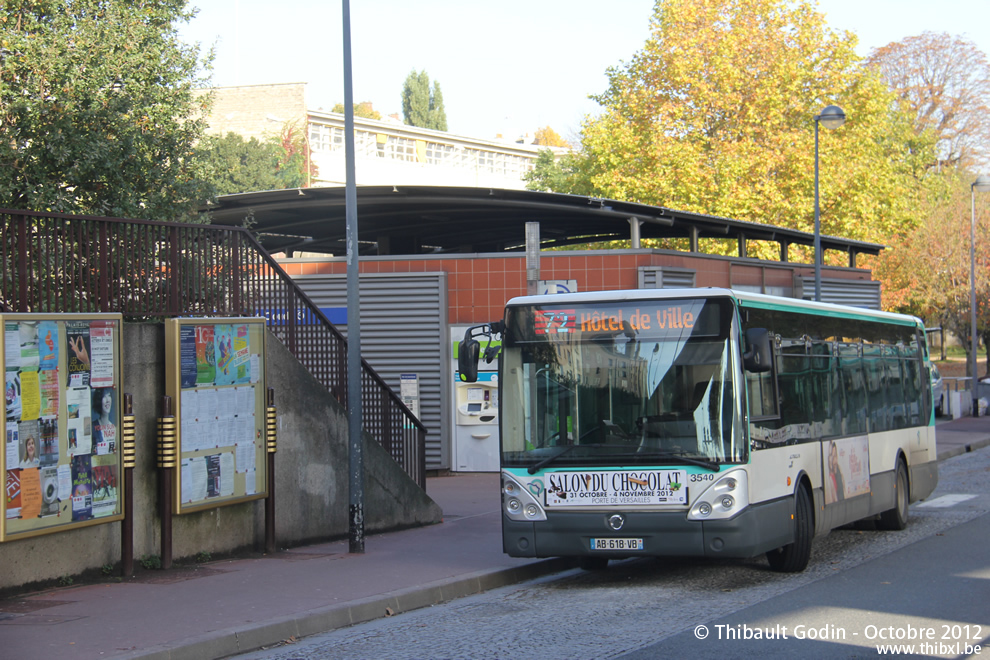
[(618, 383)]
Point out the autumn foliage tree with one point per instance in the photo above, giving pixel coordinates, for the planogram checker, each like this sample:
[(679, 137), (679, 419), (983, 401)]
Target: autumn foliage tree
[(943, 83), (926, 271), (715, 115), (547, 137)]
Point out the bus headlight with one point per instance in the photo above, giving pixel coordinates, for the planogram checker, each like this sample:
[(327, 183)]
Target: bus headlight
[(518, 502), (723, 499)]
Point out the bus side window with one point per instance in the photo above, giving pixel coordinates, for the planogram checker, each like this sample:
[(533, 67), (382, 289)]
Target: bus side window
[(762, 392)]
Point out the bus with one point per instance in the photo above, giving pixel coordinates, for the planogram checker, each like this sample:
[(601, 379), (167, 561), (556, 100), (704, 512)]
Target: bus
[(703, 422)]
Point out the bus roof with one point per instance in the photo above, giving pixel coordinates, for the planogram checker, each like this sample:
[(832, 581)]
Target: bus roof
[(742, 298)]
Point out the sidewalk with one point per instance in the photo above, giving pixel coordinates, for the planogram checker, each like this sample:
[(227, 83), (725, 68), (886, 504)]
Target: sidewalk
[(227, 607)]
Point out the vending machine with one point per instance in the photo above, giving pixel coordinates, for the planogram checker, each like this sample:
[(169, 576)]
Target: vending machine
[(475, 419)]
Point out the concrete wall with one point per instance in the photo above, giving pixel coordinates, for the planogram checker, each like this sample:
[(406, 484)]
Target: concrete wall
[(311, 468)]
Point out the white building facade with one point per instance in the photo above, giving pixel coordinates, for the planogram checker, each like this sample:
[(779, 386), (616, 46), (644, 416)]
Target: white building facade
[(386, 152)]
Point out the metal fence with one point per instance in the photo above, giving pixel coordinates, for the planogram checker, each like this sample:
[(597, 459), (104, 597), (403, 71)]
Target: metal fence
[(54, 263)]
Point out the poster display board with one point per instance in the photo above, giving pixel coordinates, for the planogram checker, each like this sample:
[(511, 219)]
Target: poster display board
[(215, 374), (62, 388)]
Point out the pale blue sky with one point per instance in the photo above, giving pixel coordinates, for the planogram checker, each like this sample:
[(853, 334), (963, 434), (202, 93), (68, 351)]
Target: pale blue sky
[(505, 66)]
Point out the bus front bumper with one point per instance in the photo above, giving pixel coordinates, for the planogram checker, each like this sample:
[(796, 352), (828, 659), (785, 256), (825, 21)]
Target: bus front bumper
[(755, 530)]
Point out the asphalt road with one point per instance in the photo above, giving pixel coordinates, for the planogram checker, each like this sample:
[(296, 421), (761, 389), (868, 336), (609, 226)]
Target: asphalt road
[(928, 584)]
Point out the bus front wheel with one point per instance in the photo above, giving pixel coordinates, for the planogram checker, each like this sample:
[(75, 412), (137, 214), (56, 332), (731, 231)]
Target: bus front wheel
[(793, 558), (897, 518)]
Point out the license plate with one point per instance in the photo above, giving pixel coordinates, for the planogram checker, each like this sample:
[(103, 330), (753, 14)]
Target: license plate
[(616, 544)]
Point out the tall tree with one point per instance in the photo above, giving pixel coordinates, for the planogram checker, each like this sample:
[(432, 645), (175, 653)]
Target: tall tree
[(97, 113), (715, 115), (438, 116), (926, 271), (943, 82), (422, 106)]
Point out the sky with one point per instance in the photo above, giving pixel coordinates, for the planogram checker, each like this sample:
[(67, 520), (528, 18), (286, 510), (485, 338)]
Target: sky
[(505, 67)]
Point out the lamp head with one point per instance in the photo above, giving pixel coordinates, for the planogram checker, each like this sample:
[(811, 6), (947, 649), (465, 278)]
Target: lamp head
[(831, 116), (982, 184)]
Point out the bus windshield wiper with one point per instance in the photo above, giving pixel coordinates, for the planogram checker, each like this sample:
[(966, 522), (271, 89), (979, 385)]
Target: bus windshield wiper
[(683, 458), (533, 469)]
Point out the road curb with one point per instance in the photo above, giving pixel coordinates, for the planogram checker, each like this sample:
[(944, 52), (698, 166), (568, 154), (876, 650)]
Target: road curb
[(963, 449), (251, 637)]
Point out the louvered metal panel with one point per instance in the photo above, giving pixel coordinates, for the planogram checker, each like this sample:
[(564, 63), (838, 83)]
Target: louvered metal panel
[(855, 293), (403, 323), (665, 277)]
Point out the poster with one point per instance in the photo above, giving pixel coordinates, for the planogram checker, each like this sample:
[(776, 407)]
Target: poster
[(12, 394), (101, 354), (847, 468), (79, 421), (29, 434), (13, 494), (224, 348), (49, 442), (104, 413), (187, 356), (48, 345), (77, 334), (82, 488), (104, 490), (206, 359)]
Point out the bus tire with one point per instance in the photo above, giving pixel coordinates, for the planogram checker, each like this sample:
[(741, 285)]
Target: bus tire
[(897, 518), (793, 558)]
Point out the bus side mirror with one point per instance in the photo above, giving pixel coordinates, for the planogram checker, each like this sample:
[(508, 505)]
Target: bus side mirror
[(467, 360), (758, 357)]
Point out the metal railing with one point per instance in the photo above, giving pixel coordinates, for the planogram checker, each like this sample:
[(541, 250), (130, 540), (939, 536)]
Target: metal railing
[(54, 263)]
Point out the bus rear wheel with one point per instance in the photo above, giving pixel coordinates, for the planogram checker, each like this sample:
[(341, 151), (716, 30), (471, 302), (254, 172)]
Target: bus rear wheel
[(794, 557), (897, 518)]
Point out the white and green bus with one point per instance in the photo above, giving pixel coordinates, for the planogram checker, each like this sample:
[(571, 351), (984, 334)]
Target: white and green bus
[(704, 422)]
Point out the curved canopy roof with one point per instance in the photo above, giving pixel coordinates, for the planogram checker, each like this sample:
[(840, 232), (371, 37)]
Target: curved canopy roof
[(408, 220)]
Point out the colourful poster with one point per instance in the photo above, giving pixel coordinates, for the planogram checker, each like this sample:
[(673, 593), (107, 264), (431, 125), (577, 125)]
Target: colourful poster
[(241, 362), (104, 490), (30, 493), (13, 493), (206, 359), (224, 342), (12, 394), (104, 420), (78, 360), (48, 345), (30, 395), (48, 384), (82, 488)]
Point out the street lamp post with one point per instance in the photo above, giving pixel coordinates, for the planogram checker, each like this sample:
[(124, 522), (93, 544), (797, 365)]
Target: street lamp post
[(982, 184), (831, 116)]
